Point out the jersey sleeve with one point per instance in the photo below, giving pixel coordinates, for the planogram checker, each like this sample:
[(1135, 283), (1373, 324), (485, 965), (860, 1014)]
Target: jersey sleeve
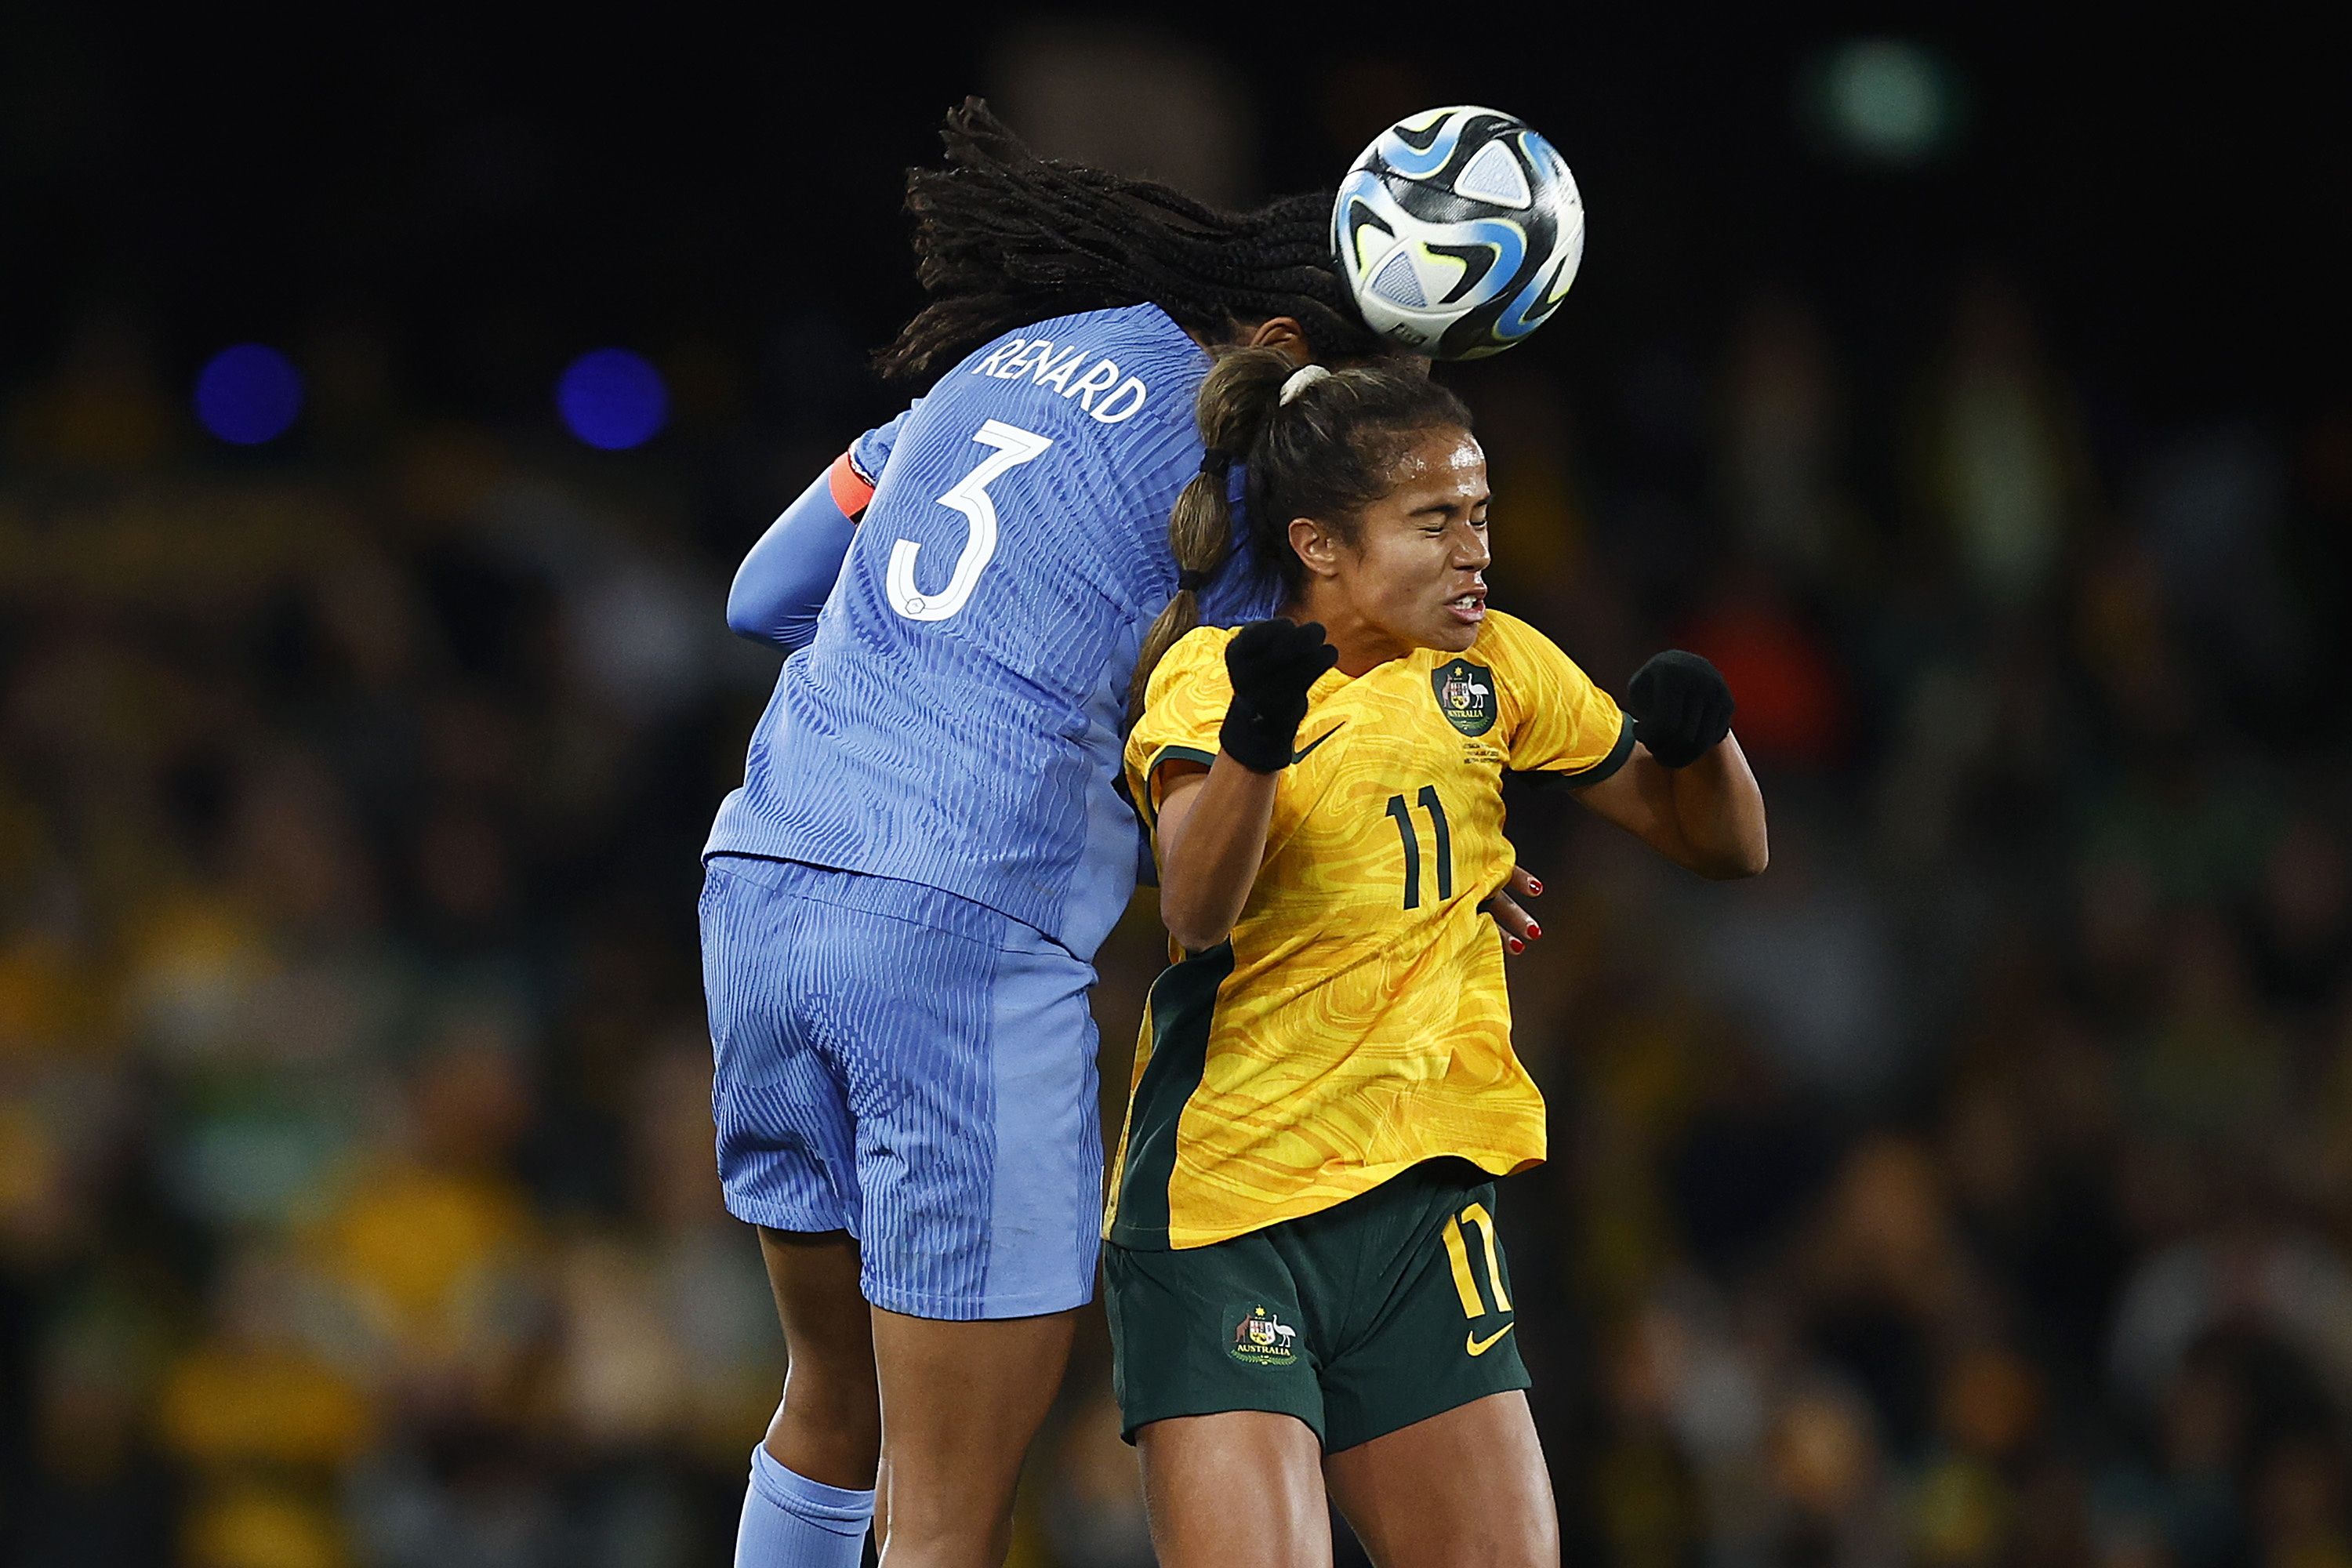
[(1183, 709), (1561, 723), (784, 583), (862, 465)]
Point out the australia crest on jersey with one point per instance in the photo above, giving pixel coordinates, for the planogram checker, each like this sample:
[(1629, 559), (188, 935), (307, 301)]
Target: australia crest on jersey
[(1261, 1339), (1466, 695)]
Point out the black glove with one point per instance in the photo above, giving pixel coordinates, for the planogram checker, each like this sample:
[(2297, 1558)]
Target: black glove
[(1681, 706), (1272, 664)]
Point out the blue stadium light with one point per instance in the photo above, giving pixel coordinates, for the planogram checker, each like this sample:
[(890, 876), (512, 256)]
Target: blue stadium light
[(613, 399), (248, 393)]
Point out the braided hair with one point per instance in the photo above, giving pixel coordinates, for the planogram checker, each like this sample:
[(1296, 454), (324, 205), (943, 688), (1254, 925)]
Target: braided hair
[(1003, 237), (1329, 451)]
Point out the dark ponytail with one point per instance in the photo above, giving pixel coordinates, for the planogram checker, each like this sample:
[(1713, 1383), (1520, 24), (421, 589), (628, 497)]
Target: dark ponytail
[(1327, 454), (1241, 390)]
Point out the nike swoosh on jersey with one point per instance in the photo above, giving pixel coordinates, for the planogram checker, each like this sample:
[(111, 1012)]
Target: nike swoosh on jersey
[(1477, 1346), (1300, 755)]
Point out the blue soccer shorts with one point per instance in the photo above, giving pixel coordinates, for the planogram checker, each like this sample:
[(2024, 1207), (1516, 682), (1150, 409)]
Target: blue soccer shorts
[(913, 1067)]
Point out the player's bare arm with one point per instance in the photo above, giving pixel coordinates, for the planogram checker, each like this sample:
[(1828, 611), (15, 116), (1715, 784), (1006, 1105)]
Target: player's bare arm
[(1211, 847), (1706, 816), (1213, 822)]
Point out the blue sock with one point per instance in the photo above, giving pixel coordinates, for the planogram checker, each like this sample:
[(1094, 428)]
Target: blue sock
[(791, 1522)]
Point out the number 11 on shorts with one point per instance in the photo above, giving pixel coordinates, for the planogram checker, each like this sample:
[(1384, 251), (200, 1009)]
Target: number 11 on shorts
[(1475, 1304), (1457, 1251)]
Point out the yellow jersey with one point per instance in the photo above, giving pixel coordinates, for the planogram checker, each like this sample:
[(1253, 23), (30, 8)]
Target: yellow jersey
[(1356, 1023)]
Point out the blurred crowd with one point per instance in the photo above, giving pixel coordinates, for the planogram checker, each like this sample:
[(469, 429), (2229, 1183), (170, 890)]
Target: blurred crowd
[(1975, 1188)]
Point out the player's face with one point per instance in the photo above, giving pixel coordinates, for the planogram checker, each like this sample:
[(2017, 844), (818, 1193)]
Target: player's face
[(1416, 574)]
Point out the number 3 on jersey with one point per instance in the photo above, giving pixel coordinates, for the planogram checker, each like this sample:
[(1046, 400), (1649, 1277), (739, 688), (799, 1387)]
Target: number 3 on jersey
[(970, 496)]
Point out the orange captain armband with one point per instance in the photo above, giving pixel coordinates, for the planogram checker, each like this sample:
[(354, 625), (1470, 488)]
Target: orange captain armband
[(851, 490)]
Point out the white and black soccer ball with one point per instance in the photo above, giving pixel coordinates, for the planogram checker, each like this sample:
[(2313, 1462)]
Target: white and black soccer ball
[(1459, 231)]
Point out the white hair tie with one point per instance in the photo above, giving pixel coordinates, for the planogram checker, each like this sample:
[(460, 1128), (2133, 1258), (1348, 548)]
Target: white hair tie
[(1302, 378)]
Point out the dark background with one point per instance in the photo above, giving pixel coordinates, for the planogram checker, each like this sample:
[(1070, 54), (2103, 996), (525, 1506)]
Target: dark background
[(1975, 1188)]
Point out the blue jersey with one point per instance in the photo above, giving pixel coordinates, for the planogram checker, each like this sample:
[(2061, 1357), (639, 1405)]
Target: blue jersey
[(957, 720)]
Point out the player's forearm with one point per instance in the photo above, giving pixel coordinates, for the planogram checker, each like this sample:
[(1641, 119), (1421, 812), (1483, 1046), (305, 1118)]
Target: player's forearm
[(785, 580), (1212, 842), (1720, 813)]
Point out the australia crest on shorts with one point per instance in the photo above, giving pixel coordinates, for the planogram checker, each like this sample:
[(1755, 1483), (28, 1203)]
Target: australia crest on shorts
[(1466, 695), (1263, 1339)]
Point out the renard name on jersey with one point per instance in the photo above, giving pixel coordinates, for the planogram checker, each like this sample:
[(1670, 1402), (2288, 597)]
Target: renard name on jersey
[(1047, 363)]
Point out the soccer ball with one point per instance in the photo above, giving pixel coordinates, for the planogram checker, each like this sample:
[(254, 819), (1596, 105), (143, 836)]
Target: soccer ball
[(1459, 231)]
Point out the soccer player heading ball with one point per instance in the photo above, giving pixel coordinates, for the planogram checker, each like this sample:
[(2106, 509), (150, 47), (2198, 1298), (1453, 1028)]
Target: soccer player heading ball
[(903, 899), (1304, 1277)]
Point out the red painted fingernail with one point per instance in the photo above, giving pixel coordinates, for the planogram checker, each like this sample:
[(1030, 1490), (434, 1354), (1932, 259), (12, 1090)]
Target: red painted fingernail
[(1534, 932), (1535, 889), (1518, 946)]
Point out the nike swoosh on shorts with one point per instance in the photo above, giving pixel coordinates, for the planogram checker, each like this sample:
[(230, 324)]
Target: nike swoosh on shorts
[(1477, 1346)]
